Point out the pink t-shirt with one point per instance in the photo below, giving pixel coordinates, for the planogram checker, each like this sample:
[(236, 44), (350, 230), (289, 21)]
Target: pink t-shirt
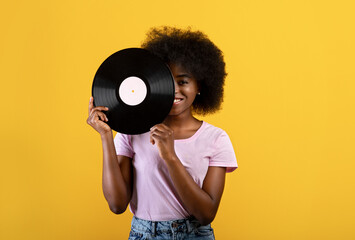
[(154, 197)]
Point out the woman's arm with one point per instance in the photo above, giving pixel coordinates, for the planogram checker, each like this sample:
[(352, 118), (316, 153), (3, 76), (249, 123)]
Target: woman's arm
[(117, 170), (116, 176), (201, 203)]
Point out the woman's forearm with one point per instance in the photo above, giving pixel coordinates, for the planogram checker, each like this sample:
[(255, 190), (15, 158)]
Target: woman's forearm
[(197, 201), (115, 181)]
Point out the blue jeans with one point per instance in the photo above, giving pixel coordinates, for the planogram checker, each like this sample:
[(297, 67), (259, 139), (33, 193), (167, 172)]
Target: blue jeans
[(188, 228)]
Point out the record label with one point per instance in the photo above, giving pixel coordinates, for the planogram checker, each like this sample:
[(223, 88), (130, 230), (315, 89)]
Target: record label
[(132, 91)]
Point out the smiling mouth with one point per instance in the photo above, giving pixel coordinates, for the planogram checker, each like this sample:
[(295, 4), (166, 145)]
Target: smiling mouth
[(177, 100)]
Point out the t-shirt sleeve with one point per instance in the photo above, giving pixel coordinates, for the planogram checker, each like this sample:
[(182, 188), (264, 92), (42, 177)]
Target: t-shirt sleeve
[(123, 145), (223, 154)]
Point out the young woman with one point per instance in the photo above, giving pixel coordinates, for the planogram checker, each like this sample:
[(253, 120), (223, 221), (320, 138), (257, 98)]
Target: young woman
[(173, 176)]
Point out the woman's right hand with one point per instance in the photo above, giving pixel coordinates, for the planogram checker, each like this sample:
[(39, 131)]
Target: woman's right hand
[(97, 118)]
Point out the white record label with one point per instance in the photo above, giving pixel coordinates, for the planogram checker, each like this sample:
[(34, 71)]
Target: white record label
[(132, 91)]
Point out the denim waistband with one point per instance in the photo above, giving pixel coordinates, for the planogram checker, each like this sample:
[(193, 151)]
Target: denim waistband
[(186, 225)]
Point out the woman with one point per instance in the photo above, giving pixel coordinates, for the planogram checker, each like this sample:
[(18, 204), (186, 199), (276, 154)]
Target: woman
[(173, 176)]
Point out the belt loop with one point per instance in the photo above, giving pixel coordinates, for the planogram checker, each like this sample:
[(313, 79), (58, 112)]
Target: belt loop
[(153, 228), (188, 225)]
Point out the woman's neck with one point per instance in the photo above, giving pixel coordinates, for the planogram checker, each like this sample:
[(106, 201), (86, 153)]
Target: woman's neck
[(182, 121)]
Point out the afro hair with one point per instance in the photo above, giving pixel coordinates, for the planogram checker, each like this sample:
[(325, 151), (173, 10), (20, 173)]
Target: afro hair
[(198, 55)]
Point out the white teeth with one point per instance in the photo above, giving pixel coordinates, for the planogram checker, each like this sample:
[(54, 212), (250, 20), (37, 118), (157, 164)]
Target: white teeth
[(177, 100)]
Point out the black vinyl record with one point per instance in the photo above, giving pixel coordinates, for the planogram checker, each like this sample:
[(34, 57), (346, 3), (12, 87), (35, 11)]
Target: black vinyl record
[(137, 87)]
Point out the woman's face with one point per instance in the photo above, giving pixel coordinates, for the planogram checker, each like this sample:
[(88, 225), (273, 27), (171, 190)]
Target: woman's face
[(186, 88)]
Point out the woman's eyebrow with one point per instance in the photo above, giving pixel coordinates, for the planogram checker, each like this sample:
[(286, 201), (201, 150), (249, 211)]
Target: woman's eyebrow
[(183, 75)]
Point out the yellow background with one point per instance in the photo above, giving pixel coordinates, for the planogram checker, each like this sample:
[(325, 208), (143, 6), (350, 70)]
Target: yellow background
[(288, 108)]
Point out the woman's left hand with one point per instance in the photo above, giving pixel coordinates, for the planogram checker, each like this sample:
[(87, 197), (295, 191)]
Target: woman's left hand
[(163, 137)]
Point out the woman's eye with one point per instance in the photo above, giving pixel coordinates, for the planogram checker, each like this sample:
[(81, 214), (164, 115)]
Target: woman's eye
[(182, 82)]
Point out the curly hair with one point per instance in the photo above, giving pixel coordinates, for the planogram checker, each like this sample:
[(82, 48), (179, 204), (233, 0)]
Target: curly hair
[(198, 55)]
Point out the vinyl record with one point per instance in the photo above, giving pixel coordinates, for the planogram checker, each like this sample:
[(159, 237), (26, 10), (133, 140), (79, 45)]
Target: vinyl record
[(137, 87)]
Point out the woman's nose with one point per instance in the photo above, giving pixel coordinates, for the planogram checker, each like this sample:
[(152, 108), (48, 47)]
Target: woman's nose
[(176, 87)]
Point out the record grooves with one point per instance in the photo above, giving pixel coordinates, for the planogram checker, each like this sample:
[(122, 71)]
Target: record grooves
[(137, 87)]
